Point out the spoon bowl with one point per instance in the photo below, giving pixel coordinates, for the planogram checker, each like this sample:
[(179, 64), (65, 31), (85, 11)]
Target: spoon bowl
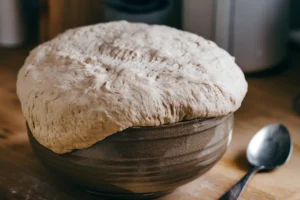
[(270, 147)]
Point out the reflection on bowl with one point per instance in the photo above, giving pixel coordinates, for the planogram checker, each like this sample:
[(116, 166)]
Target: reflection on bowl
[(143, 162)]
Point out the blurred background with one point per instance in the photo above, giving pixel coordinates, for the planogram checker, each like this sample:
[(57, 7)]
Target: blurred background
[(263, 36), (255, 32)]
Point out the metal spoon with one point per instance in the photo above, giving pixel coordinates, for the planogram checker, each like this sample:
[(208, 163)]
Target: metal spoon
[(270, 147)]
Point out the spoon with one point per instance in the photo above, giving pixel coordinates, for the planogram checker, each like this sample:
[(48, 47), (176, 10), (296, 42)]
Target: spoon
[(270, 147)]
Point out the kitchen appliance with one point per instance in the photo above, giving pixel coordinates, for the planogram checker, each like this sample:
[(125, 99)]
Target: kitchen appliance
[(12, 29), (255, 32), (146, 11)]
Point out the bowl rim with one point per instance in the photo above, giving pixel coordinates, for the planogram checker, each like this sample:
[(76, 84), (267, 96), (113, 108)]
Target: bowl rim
[(219, 120)]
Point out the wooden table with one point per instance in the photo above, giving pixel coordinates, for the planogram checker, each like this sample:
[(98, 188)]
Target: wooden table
[(269, 100)]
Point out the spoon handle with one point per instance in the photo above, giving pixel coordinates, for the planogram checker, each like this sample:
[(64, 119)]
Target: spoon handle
[(235, 192)]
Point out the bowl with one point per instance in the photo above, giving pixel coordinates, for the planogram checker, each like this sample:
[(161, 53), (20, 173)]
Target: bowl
[(143, 162)]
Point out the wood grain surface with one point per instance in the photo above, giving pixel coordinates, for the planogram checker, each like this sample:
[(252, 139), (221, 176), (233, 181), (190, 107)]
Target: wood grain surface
[(269, 100)]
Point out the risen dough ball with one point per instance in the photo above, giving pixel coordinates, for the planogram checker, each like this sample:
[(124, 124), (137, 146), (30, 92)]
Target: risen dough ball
[(93, 81)]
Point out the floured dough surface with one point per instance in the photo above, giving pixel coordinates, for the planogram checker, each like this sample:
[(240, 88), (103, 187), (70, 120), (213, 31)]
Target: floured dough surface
[(93, 81)]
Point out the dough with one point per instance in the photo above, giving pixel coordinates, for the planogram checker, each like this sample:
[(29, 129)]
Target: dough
[(93, 81)]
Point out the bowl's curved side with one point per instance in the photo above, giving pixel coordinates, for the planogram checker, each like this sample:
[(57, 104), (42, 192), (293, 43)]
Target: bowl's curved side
[(137, 160)]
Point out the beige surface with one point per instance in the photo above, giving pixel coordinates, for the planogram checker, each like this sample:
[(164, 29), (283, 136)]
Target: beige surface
[(93, 81), (269, 100)]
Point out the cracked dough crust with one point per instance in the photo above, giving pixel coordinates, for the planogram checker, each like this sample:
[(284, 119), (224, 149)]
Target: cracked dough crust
[(93, 81)]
